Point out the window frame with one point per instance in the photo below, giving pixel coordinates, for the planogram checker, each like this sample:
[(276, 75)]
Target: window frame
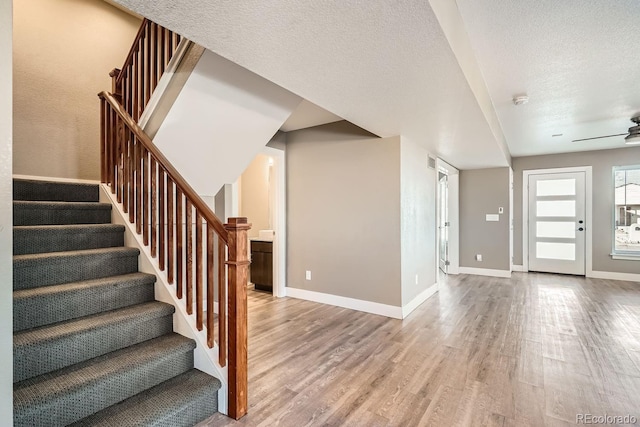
[(616, 253)]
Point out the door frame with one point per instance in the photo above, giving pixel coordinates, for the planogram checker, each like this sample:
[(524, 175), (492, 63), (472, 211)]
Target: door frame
[(454, 215), (588, 213), (279, 206)]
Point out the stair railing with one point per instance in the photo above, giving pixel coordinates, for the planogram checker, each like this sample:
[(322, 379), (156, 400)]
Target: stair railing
[(200, 254), (151, 52)]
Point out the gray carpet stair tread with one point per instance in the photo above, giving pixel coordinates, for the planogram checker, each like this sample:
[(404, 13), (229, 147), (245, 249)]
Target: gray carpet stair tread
[(27, 189), (75, 392), (31, 239), (52, 213), (53, 268), (181, 401), (58, 303), (47, 348)]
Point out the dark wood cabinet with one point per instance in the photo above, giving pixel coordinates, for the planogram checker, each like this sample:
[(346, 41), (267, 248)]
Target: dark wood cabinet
[(262, 265)]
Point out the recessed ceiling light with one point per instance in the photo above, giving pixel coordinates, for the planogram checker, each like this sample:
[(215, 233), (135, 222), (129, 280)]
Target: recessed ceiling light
[(520, 99)]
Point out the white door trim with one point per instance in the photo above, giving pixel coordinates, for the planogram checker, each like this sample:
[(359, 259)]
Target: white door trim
[(454, 215), (278, 201), (588, 210)]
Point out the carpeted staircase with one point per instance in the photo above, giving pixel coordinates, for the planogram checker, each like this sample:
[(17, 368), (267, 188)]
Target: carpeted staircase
[(91, 347)]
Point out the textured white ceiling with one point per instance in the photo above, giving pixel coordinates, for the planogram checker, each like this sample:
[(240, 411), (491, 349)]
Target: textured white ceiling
[(386, 66), (575, 59), (307, 115)]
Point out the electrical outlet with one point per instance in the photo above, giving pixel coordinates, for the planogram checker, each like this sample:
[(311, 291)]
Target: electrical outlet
[(307, 275), (478, 257)]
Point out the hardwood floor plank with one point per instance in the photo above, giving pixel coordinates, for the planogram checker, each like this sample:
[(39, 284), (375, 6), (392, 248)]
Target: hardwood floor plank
[(533, 350)]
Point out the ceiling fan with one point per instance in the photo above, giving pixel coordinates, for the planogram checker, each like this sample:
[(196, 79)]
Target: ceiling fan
[(631, 138)]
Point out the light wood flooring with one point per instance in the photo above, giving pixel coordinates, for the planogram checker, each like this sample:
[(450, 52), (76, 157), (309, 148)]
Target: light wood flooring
[(534, 350)]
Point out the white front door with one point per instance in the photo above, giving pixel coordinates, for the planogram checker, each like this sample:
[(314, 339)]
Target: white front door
[(557, 222)]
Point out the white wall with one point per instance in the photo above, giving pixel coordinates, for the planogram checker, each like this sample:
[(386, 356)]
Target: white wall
[(418, 221), (6, 214), (222, 118)]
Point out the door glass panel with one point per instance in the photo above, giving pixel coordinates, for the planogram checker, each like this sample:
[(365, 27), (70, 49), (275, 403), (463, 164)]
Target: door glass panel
[(562, 208), (564, 230), (556, 187), (563, 251)]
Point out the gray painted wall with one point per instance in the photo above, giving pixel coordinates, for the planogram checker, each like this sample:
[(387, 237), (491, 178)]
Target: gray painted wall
[(6, 213), (343, 212), (418, 220), (482, 192), (602, 161)]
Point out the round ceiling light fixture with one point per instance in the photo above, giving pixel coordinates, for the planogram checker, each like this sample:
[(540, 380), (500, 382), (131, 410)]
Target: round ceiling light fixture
[(520, 99)]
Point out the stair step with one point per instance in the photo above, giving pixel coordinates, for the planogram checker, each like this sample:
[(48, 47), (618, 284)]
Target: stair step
[(60, 213), (26, 189), (57, 303), (54, 268), (181, 401), (59, 238), (48, 348), (74, 393)]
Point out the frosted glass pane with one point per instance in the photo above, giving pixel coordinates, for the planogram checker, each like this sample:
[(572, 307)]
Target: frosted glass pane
[(566, 230), (562, 251), (556, 187), (563, 208)]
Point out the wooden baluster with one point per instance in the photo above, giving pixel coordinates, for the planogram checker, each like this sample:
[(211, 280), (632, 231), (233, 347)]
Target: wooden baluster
[(154, 56), (199, 293), (148, 62), (131, 177), (154, 207), (170, 225), (169, 45), (145, 196), (162, 51), (161, 218), (189, 257), (136, 86), (222, 304), (238, 266), (210, 287), (179, 245), (103, 142), (129, 105), (138, 169), (111, 141), (118, 141), (125, 167)]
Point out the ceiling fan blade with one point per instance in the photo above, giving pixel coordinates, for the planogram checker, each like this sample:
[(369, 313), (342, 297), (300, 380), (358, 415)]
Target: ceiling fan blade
[(599, 137)]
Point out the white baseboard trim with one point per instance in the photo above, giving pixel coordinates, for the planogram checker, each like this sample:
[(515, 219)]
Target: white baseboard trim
[(345, 302), (518, 268), (419, 299), (485, 272), (57, 179), (612, 275)]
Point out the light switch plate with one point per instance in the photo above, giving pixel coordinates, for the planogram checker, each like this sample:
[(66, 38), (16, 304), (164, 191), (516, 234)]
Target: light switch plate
[(493, 217), (500, 210)]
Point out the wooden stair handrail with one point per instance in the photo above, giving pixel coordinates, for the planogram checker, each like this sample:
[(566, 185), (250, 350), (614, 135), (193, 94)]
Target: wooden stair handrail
[(177, 178)]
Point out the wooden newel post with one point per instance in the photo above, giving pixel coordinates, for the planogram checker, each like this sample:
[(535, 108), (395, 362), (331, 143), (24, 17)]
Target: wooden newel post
[(238, 271), (115, 89)]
